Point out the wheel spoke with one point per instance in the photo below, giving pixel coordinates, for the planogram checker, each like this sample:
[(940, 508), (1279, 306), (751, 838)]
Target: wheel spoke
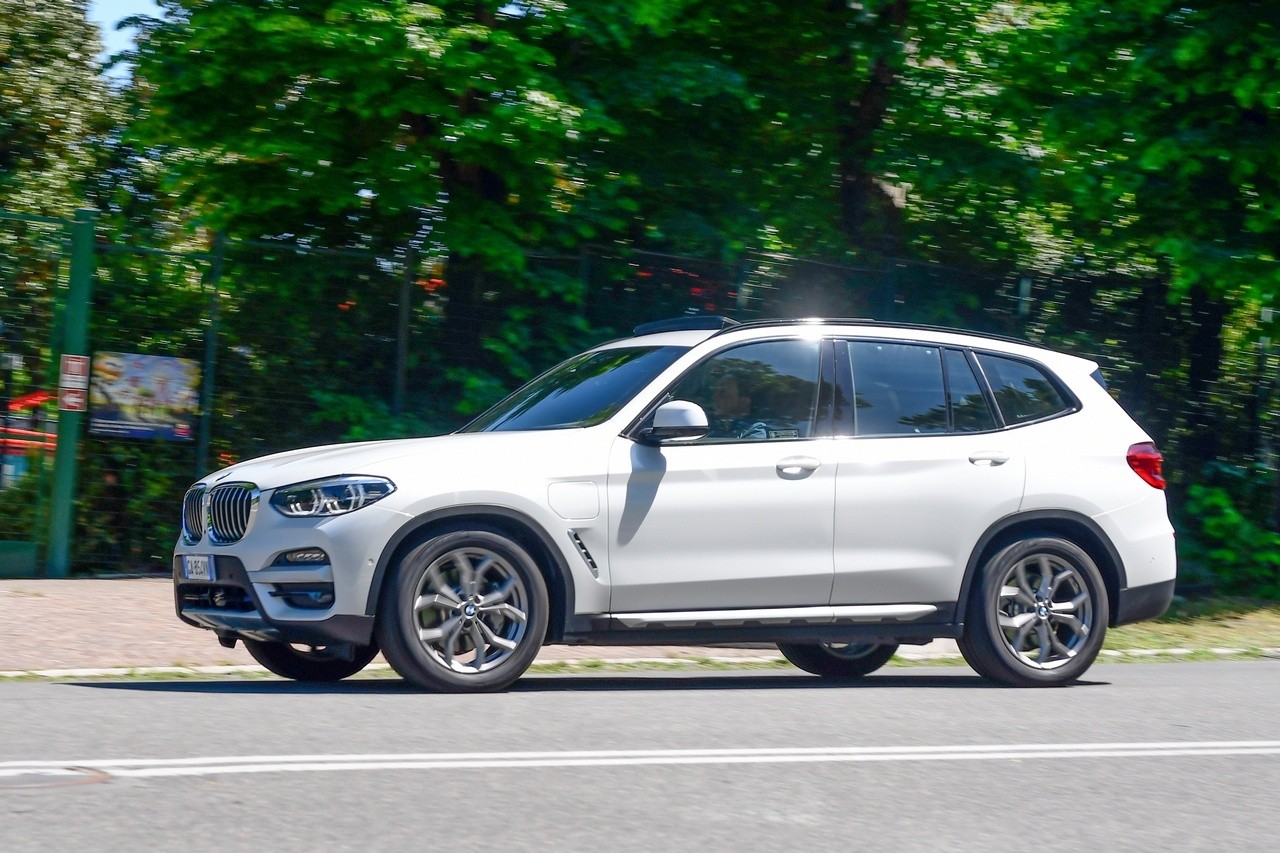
[(478, 572), (500, 594), (1015, 622), (466, 574), (477, 638), (1020, 639), (1046, 575), (494, 640), (429, 635), (1018, 594), (451, 642), (1023, 582), (508, 610), (1044, 635), (1081, 629), (441, 586), (1059, 647), (437, 601), (1067, 572)]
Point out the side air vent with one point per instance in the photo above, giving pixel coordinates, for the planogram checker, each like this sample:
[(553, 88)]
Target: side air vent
[(586, 555)]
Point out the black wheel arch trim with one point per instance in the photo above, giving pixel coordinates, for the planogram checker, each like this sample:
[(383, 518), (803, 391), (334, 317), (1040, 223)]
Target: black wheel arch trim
[(527, 533), (1050, 522)]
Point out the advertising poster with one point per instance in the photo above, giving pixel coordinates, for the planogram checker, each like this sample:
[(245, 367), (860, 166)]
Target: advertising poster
[(144, 396)]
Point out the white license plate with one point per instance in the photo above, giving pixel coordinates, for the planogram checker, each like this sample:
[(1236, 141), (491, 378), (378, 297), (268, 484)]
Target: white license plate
[(197, 567)]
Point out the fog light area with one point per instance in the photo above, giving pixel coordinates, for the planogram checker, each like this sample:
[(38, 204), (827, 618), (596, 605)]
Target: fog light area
[(307, 596), (303, 557)]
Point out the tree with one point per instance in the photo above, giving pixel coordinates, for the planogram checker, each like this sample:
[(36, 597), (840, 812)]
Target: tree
[(379, 125), (54, 111)]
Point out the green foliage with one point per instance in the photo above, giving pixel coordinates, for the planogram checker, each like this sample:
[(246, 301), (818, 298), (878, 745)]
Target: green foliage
[(19, 504), (360, 419), (1242, 555)]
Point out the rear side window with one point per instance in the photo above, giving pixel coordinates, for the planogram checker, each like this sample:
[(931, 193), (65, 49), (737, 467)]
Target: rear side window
[(1022, 391), (897, 389)]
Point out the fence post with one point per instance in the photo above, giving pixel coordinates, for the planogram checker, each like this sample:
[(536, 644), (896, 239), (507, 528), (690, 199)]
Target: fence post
[(402, 332), (210, 358), (75, 341)]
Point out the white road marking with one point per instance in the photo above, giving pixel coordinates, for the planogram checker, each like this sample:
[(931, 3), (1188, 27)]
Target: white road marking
[(211, 765)]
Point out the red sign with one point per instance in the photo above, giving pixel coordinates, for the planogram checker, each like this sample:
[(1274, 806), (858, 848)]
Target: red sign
[(73, 399)]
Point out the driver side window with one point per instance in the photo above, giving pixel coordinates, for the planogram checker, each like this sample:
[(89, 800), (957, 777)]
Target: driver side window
[(765, 391)]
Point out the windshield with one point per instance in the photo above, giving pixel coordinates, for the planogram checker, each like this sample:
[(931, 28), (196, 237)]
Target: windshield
[(581, 392)]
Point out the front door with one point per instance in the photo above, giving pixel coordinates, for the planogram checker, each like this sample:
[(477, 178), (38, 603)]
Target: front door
[(741, 518)]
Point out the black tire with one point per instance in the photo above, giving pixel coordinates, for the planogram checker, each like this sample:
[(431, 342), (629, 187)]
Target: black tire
[(465, 612), (838, 660), (315, 664), (1037, 614)]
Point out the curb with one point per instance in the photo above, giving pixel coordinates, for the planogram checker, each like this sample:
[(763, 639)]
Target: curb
[(1114, 655)]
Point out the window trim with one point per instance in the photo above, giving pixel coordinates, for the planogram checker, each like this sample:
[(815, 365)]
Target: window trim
[(844, 379)]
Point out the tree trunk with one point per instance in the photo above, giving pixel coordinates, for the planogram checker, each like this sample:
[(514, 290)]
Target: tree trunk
[(870, 219)]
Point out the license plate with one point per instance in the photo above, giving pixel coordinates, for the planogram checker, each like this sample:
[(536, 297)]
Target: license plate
[(197, 567)]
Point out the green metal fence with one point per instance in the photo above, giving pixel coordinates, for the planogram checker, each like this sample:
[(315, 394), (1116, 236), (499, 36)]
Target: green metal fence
[(301, 345)]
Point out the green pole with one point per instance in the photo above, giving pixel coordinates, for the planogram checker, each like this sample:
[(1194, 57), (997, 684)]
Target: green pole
[(210, 358), (75, 341)]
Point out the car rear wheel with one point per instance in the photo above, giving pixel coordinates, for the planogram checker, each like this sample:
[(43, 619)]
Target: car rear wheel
[(838, 660), (309, 663), (1037, 615), (465, 612)]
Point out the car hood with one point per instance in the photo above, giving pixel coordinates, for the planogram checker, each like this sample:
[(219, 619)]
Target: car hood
[(398, 457)]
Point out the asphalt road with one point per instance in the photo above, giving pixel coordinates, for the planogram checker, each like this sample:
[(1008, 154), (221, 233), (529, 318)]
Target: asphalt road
[(1182, 756)]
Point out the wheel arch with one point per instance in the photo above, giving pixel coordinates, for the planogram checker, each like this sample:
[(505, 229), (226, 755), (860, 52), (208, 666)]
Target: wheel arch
[(527, 533), (1072, 526)]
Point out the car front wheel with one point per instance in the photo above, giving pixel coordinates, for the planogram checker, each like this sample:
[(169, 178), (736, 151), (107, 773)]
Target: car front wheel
[(1037, 615), (838, 660), (308, 663), (465, 612)]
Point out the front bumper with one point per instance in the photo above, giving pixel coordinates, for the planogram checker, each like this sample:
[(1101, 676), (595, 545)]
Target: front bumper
[(229, 606)]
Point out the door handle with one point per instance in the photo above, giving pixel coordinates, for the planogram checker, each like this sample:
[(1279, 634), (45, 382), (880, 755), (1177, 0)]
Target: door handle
[(989, 458), (795, 467)]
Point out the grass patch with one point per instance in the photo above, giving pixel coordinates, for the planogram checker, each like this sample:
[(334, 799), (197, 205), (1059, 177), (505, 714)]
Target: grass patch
[(1211, 623)]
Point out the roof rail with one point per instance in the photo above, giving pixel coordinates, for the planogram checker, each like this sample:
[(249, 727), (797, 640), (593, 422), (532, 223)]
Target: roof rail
[(689, 322), (863, 321)]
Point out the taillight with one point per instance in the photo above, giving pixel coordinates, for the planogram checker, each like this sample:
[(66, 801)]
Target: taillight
[(1147, 461)]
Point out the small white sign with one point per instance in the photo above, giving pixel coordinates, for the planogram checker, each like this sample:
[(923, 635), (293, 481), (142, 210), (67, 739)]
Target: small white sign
[(74, 372)]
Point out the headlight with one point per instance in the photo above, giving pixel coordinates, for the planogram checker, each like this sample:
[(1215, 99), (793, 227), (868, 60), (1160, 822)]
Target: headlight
[(334, 496)]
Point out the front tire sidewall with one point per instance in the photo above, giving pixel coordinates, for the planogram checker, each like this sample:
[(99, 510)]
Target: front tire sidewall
[(397, 621), (983, 644)]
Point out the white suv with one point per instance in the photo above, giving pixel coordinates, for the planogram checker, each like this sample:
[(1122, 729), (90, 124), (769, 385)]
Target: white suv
[(835, 487)]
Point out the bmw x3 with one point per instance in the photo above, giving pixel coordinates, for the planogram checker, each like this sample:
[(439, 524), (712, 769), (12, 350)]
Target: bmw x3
[(838, 488)]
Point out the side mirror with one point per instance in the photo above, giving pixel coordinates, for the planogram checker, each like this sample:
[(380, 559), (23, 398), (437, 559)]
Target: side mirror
[(678, 420)]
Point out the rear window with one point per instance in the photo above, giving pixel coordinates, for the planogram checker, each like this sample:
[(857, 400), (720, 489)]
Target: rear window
[(897, 389), (1023, 392)]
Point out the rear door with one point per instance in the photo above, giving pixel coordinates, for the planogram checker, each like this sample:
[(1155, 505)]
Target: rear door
[(926, 471)]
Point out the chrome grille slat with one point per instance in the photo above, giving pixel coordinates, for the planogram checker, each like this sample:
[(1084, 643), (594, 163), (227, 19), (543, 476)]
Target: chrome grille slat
[(193, 516), (230, 510)]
